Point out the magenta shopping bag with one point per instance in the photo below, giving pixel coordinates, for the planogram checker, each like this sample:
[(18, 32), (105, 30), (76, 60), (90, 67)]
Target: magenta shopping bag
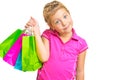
[(13, 52)]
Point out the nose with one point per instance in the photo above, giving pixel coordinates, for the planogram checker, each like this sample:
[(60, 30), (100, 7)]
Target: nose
[(64, 22)]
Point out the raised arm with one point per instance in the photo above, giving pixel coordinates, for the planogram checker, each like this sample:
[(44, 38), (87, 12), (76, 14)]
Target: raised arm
[(42, 44)]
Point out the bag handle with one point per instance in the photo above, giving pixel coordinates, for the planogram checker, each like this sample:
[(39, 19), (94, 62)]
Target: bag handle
[(28, 31)]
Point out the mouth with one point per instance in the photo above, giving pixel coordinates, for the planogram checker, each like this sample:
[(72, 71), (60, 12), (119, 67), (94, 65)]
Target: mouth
[(66, 27)]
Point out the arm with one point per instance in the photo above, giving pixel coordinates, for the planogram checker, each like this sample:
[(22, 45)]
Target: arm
[(80, 66), (42, 44), (42, 48)]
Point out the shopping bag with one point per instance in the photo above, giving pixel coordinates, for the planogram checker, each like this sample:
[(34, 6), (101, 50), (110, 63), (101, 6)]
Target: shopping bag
[(8, 42), (30, 61), (18, 64), (12, 54)]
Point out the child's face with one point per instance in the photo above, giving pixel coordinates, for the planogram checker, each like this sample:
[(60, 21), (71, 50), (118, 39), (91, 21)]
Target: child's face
[(61, 21)]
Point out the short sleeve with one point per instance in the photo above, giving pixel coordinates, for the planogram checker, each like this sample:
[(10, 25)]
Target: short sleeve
[(82, 45), (46, 34)]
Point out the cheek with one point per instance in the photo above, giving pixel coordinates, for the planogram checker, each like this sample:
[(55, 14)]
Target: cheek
[(58, 28), (70, 20)]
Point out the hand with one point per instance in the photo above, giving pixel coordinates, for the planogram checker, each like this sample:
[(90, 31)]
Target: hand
[(33, 25)]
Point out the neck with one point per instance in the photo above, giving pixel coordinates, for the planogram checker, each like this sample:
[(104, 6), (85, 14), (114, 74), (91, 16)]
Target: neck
[(66, 34), (66, 37)]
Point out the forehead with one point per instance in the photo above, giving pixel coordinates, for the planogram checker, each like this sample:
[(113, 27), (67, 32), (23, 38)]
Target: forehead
[(59, 13)]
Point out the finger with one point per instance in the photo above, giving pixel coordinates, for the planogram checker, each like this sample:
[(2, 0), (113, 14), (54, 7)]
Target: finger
[(33, 20), (26, 26), (29, 24)]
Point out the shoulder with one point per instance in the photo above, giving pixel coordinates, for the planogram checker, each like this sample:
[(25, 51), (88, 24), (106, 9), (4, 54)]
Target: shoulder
[(47, 33), (79, 38), (82, 44)]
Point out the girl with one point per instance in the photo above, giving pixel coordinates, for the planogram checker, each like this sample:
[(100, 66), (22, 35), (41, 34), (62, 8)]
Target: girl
[(60, 49)]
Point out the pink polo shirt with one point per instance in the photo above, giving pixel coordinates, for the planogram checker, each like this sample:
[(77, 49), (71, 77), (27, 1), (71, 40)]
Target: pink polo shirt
[(61, 64)]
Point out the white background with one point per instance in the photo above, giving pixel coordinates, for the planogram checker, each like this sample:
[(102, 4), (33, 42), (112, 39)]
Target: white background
[(95, 20)]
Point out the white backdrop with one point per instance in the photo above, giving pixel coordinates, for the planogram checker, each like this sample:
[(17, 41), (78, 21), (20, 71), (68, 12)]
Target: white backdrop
[(95, 20)]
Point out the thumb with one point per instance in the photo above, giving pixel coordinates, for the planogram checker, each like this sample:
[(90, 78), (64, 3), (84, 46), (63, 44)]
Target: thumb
[(34, 21)]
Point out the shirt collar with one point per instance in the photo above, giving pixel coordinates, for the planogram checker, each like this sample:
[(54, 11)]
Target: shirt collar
[(74, 36)]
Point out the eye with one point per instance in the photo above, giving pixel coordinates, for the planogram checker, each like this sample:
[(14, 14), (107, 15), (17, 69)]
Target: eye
[(57, 22), (65, 16)]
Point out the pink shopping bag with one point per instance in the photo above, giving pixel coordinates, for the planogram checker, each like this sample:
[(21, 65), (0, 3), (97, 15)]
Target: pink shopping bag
[(13, 52)]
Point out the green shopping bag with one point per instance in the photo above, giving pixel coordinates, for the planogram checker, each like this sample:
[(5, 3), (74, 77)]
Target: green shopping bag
[(8, 42), (30, 61)]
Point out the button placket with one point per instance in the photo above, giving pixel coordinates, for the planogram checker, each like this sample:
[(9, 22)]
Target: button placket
[(62, 52)]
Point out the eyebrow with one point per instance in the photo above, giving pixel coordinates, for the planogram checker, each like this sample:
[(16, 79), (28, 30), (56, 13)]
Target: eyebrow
[(62, 15)]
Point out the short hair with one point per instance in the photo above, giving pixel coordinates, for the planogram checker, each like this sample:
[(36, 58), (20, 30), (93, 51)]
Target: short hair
[(51, 8)]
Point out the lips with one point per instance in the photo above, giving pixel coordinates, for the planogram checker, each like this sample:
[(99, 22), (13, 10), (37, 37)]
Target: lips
[(66, 27)]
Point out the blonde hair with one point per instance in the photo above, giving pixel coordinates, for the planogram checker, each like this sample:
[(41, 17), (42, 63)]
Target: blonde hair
[(51, 8)]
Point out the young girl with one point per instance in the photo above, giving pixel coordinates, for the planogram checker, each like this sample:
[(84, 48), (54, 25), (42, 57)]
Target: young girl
[(60, 49)]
